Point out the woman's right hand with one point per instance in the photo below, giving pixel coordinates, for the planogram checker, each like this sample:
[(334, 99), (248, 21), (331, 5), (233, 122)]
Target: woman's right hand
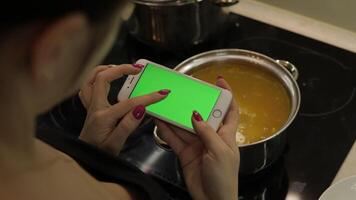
[(108, 126), (210, 160)]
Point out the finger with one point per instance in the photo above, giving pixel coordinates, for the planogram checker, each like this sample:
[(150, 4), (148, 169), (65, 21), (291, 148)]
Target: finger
[(186, 153), (191, 153), (127, 125), (221, 82), (171, 138), (232, 115), (228, 130), (121, 108), (86, 89), (193, 147), (83, 100), (183, 134), (103, 80), (95, 72), (206, 133)]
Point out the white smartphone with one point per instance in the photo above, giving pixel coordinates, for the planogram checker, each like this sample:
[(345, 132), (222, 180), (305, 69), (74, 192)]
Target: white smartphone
[(187, 94)]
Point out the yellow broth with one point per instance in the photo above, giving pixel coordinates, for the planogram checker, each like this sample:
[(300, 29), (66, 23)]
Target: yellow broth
[(263, 100)]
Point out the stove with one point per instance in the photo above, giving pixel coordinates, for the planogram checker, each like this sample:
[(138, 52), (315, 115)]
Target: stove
[(318, 139)]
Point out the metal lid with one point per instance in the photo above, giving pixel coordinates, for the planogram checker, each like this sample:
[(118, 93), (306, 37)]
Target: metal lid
[(165, 2)]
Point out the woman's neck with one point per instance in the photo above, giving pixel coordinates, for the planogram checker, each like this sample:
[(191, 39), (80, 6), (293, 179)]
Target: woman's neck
[(17, 128)]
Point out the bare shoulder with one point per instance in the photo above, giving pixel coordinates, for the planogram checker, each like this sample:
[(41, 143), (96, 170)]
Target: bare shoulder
[(55, 175), (45, 151)]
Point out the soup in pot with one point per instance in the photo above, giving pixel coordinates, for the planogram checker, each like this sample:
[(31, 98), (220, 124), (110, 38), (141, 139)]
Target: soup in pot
[(263, 100)]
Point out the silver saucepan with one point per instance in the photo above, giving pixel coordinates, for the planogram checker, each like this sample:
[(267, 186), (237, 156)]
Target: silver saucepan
[(258, 155), (177, 24)]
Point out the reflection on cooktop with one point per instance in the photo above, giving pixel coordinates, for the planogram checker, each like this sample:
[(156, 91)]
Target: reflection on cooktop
[(325, 83), (271, 183)]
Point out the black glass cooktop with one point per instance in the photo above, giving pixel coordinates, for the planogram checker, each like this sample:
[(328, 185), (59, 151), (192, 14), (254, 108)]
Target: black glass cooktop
[(318, 139)]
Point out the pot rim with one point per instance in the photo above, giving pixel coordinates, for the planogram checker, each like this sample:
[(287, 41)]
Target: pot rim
[(255, 55)]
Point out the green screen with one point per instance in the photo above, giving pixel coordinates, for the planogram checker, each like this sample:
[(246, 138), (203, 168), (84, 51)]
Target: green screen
[(186, 95)]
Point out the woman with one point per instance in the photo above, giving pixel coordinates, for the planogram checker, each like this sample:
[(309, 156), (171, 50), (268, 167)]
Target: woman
[(45, 53)]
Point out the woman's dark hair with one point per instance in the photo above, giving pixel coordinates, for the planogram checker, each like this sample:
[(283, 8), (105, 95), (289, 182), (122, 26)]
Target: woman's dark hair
[(13, 13)]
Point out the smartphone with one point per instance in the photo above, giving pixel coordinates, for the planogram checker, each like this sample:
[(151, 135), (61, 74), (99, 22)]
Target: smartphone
[(187, 94)]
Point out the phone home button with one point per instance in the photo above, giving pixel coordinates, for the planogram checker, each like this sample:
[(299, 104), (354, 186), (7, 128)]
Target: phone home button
[(217, 113)]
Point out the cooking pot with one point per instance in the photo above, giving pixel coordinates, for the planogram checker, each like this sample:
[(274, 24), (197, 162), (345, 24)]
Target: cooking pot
[(258, 155), (177, 24)]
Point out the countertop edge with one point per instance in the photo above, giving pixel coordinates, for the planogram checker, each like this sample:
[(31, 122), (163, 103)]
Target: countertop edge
[(348, 168)]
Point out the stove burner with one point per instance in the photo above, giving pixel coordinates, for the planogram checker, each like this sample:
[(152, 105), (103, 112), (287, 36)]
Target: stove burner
[(325, 83)]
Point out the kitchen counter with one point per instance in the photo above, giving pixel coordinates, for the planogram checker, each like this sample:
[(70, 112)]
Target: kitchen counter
[(348, 168), (311, 28)]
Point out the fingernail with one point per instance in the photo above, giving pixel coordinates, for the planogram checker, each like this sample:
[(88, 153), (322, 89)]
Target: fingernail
[(219, 77), (164, 92), (139, 111), (197, 116), (139, 66)]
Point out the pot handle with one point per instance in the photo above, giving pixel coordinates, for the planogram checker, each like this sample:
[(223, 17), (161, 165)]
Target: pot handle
[(290, 67), (159, 142)]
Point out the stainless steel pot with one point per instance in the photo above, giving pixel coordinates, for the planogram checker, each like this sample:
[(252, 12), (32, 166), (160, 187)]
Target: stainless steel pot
[(259, 155), (177, 24)]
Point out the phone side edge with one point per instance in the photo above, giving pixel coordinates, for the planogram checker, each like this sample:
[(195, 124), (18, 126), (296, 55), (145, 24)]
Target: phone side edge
[(128, 86), (222, 104)]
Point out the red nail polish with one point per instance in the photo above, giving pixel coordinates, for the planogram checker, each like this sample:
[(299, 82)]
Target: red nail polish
[(136, 65), (218, 77), (197, 116), (139, 111), (164, 92)]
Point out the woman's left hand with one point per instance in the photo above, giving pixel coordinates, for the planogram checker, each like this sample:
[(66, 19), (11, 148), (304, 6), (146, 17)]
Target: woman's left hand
[(209, 160), (108, 126)]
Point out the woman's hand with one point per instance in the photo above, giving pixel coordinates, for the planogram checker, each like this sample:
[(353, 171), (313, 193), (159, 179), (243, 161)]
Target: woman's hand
[(210, 161), (108, 126)]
